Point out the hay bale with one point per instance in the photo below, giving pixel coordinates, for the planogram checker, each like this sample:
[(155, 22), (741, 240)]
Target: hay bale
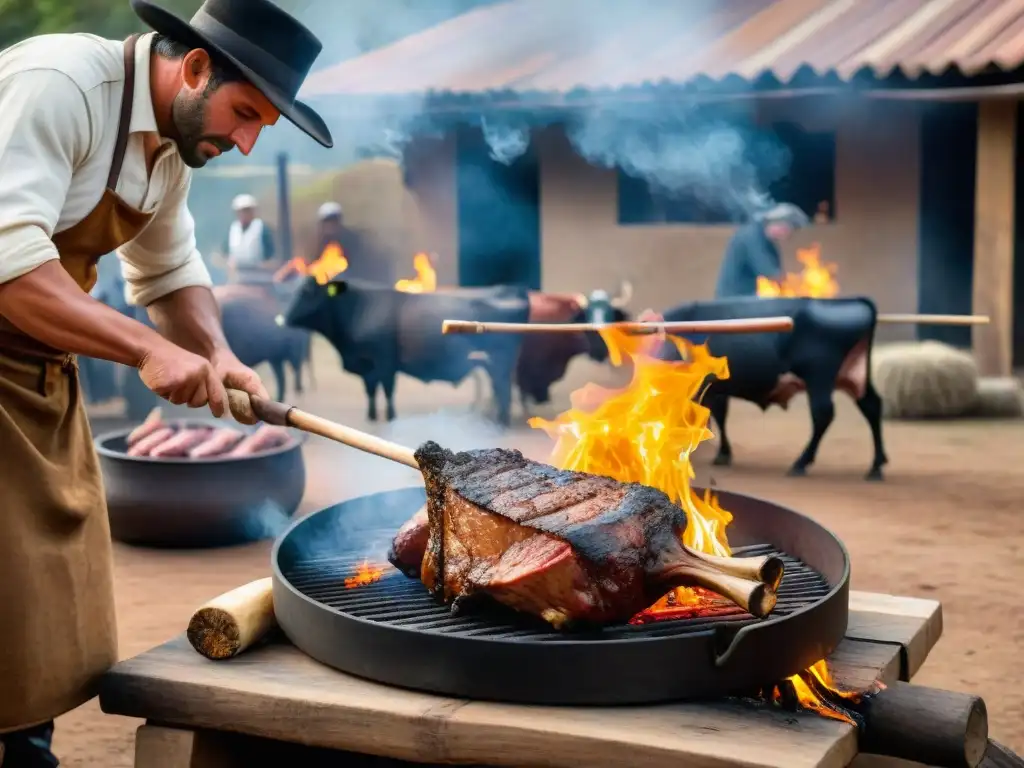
[(924, 380), (999, 398)]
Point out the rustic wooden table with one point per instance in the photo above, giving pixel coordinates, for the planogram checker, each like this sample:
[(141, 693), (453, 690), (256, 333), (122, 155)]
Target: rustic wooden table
[(267, 702)]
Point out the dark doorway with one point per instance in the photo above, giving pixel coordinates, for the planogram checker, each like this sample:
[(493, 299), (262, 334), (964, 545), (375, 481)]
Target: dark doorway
[(949, 142), (498, 214)]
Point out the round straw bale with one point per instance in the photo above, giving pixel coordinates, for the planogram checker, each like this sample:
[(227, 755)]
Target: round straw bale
[(999, 398), (922, 380)]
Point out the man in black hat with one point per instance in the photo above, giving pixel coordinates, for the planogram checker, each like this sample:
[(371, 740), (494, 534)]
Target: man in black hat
[(98, 139)]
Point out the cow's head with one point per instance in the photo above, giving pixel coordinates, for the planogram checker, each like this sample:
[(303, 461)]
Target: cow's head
[(317, 307), (601, 308)]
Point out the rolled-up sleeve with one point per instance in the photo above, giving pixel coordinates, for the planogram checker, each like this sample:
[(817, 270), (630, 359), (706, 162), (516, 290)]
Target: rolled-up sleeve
[(164, 257), (44, 135)]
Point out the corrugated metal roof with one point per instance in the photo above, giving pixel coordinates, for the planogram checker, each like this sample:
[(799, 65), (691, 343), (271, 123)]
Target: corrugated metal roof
[(563, 45)]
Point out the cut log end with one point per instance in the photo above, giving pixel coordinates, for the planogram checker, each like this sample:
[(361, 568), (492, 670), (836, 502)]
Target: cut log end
[(214, 633), (935, 727), (976, 733), (234, 621)]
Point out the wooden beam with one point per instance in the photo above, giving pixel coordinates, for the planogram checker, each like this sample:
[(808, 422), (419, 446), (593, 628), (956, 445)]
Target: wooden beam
[(993, 236), (162, 747)]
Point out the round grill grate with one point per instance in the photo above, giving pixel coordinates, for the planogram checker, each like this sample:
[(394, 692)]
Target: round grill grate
[(393, 632)]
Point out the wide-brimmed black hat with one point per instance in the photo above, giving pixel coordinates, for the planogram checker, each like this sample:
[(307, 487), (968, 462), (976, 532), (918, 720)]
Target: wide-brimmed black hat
[(272, 50)]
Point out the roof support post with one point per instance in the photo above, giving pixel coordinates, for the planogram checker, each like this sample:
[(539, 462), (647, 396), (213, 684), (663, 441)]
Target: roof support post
[(994, 236)]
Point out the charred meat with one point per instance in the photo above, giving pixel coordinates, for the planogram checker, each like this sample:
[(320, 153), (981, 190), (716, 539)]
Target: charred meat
[(569, 547)]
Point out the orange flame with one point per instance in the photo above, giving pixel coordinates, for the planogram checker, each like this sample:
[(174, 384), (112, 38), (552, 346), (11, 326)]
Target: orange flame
[(425, 280), (815, 690), (332, 262), (816, 280), (646, 433), (365, 574)]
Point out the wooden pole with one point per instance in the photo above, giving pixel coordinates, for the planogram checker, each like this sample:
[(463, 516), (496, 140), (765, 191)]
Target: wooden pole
[(284, 210), (895, 318), (994, 235), (738, 325)]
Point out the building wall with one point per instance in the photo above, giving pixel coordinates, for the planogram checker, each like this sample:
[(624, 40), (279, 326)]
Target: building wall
[(874, 239)]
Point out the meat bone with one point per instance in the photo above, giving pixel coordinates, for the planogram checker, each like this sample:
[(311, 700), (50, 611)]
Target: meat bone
[(750, 582)]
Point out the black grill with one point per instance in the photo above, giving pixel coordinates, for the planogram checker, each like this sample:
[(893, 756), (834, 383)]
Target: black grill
[(399, 601), (394, 632)]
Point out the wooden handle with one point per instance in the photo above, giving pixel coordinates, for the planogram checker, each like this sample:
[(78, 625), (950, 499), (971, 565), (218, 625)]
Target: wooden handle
[(934, 319), (247, 409), (353, 438), (934, 727), (739, 325), (229, 624), (755, 597)]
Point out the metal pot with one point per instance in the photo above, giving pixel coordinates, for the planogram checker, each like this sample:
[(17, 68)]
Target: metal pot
[(181, 502)]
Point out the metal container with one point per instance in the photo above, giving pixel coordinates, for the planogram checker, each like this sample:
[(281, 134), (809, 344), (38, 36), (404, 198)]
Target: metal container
[(181, 502), (393, 632)]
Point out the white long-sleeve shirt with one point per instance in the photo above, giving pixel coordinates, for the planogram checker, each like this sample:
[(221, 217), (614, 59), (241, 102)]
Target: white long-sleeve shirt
[(60, 100)]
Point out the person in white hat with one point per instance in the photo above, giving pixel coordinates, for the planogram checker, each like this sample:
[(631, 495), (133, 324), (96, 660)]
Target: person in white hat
[(250, 244)]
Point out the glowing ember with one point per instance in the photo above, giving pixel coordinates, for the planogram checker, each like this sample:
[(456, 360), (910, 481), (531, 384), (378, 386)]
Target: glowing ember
[(817, 280), (365, 574), (332, 262), (425, 280), (646, 433)]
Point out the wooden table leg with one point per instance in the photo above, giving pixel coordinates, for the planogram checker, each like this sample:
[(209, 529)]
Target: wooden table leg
[(158, 746)]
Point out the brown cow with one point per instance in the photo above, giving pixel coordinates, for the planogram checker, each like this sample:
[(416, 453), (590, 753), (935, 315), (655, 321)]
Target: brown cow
[(544, 357)]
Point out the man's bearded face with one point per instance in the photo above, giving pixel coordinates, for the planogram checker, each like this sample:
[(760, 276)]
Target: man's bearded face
[(189, 115)]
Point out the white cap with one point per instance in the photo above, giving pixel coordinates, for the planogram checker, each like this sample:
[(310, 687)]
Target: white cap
[(327, 210), (242, 202)]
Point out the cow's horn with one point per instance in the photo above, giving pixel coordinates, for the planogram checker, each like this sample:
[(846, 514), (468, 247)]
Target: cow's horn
[(582, 300), (625, 295)]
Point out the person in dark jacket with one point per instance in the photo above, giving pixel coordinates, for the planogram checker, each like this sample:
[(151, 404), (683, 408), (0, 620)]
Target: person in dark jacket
[(363, 262), (754, 250)]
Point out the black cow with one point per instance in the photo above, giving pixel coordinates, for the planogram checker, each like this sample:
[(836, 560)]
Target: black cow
[(380, 332), (544, 357), (251, 320), (829, 348)]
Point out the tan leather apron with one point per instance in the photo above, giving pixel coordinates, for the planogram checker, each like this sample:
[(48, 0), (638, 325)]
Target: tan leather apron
[(57, 629)]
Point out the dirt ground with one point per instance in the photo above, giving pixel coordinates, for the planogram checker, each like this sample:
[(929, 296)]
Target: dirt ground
[(946, 524)]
